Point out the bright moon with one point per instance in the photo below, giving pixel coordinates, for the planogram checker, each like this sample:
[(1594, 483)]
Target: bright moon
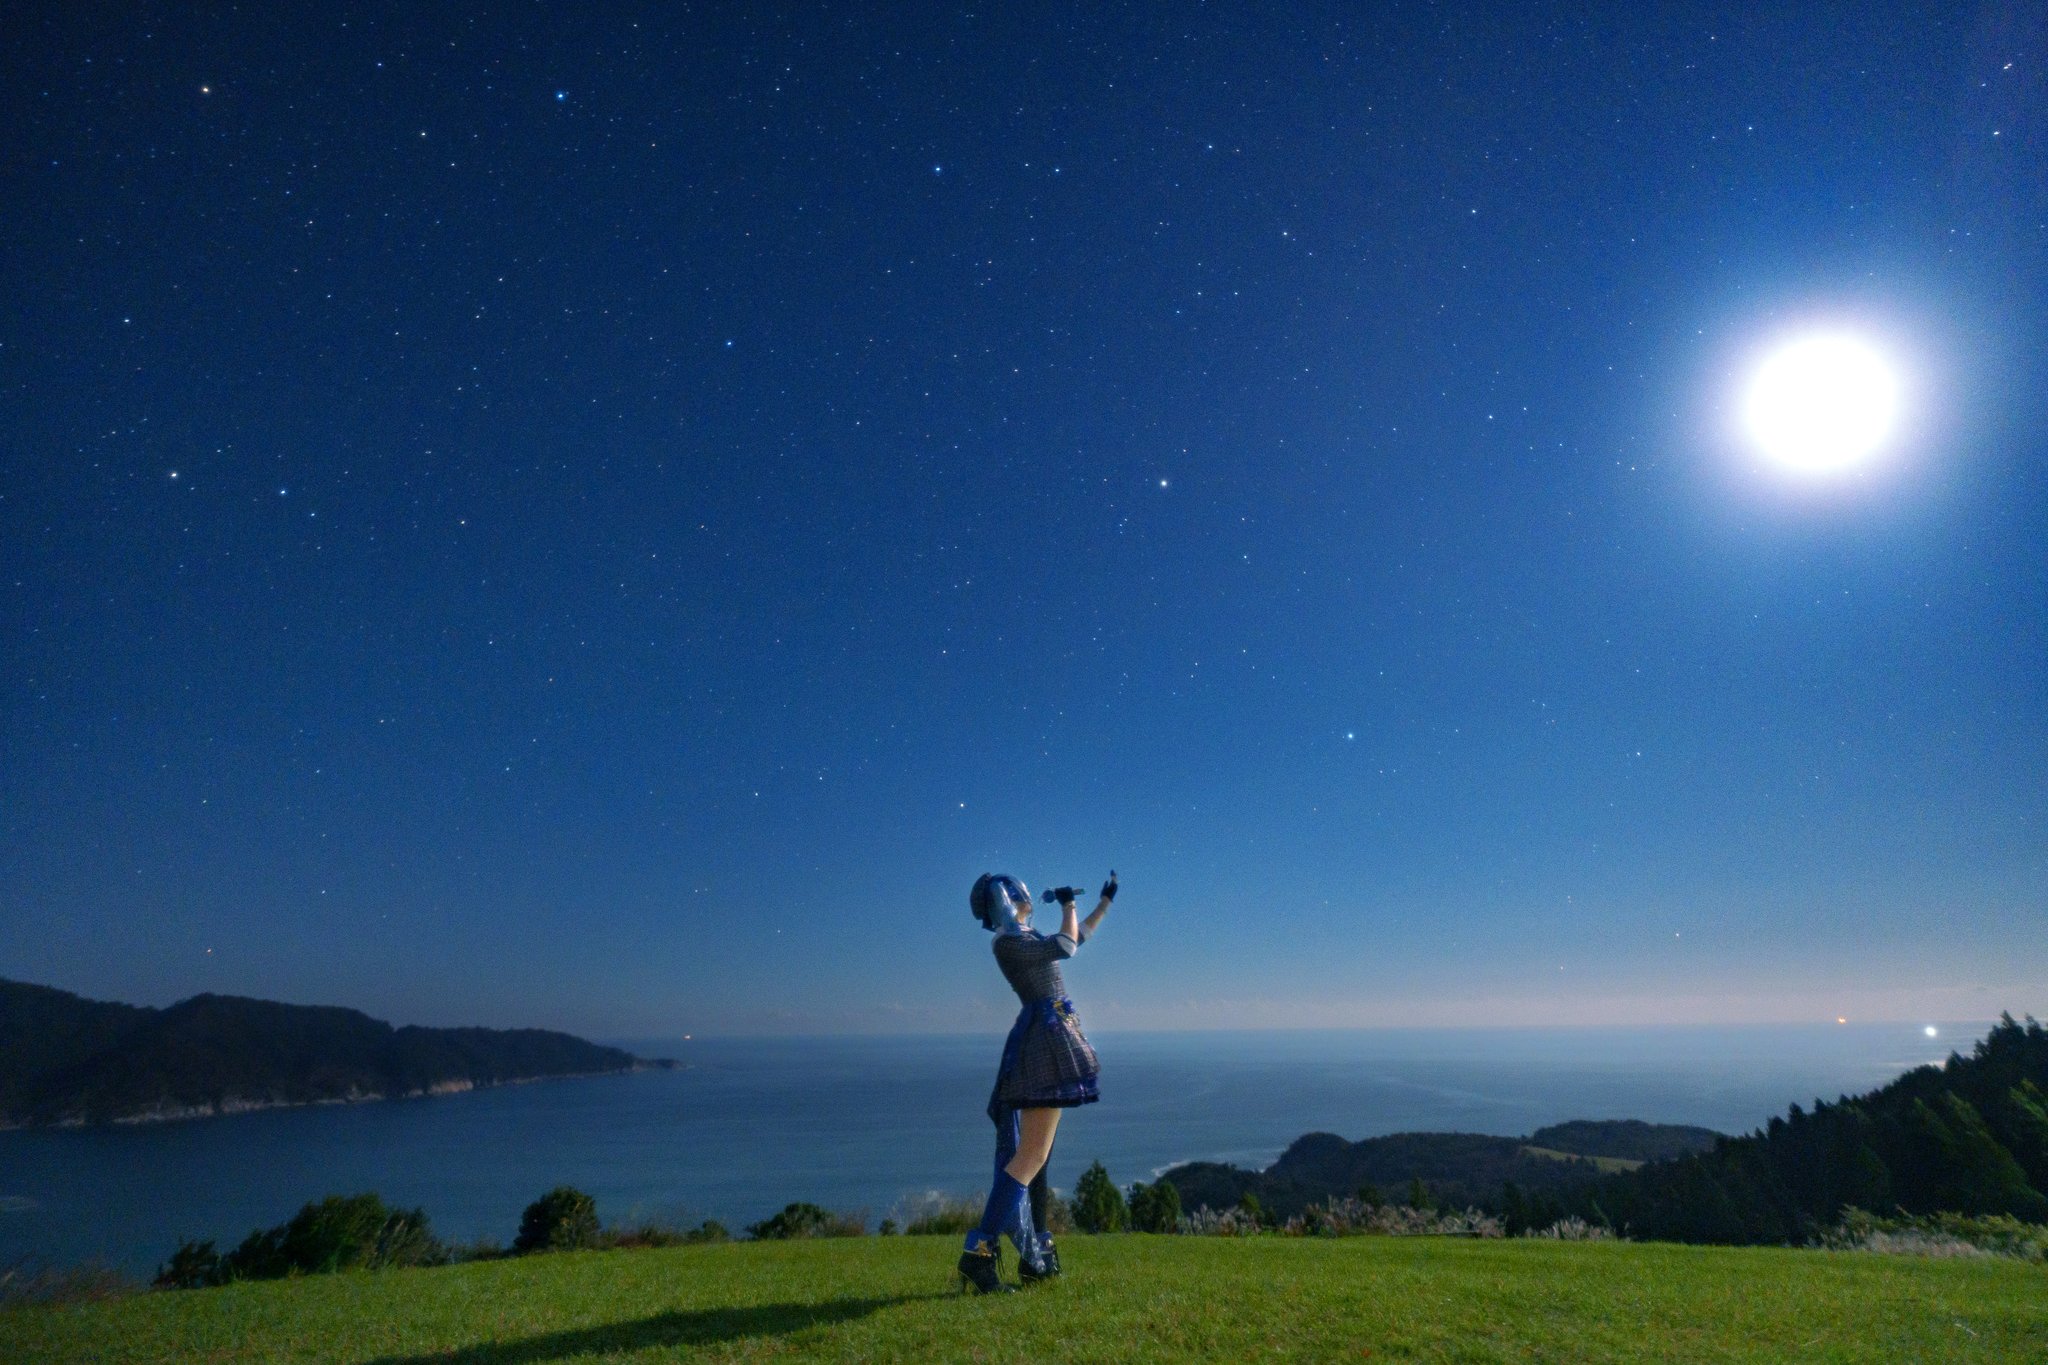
[(1822, 403)]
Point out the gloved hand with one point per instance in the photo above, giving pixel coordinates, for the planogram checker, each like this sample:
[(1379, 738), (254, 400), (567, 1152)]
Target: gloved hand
[(1109, 887), (1065, 895)]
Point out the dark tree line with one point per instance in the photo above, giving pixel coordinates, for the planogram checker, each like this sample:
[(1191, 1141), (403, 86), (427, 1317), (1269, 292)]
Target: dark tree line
[(1967, 1137)]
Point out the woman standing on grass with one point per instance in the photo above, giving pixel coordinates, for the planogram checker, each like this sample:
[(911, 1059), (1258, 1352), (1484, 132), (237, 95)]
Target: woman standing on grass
[(1047, 1066)]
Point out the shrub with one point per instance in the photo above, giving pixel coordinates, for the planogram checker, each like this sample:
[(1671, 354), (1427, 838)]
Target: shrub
[(337, 1233), (194, 1265), (1352, 1218), (1155, 1207), (660, 1232), (1573, 1229), (563, 1219), (1098, 1206), (1251, 1209), (936, 1213), (1207, 1222), (809, 1220), (1939, 1234)]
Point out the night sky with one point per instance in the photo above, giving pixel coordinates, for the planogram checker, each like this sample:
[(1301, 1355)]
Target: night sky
[(610, 518)]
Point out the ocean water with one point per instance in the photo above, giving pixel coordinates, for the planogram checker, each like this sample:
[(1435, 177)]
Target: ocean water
[(749, 1125)]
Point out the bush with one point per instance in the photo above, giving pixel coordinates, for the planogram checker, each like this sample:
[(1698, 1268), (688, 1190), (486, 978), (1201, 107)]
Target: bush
[(1940, 1234), (935, 1213), (194, 1265), (1352, 1218), (651, 1233), (1250, 1209), (1573, 1229), (338, 1233), (1098, 1206), (1206, 1222), (1155, 1207), (809, 1220), (563, 1219)]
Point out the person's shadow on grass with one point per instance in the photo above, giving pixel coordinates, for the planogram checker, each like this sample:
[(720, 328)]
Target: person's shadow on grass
[(697, 1327)]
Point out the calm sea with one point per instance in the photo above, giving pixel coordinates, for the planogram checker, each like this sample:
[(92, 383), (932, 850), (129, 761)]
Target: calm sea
[(880, 1123)]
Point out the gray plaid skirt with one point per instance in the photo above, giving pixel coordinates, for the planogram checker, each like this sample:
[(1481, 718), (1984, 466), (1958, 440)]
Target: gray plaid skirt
[(1047, 1063)]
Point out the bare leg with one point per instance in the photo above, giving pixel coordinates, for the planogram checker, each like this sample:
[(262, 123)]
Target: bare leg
[(1034, 1144)]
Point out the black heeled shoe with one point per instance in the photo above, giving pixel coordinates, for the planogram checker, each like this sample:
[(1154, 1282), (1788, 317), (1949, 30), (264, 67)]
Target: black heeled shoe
[(1048, 1267), (979, 1269)]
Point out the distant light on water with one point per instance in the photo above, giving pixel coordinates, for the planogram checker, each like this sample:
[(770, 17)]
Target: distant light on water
[(1931, 1031)]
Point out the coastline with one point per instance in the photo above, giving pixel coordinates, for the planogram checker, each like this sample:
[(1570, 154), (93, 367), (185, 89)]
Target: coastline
[(236, 1104)]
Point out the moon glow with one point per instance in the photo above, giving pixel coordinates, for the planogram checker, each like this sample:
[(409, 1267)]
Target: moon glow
[(1821, 403)]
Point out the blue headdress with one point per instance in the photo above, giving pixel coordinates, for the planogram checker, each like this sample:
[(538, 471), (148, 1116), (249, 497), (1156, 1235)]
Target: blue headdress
[(994, 900)]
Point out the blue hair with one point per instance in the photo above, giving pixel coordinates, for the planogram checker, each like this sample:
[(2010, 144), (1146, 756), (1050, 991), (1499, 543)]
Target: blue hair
[(992, 899)]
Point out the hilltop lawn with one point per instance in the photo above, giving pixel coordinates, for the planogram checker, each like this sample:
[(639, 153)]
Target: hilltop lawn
[(1127, 1298)]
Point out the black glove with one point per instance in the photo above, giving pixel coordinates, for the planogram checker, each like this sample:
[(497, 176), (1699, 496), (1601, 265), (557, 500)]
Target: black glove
[(1065, 895), (1109, 887)]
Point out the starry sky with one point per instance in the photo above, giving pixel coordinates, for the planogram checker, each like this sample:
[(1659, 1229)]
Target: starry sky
[(610, 517)]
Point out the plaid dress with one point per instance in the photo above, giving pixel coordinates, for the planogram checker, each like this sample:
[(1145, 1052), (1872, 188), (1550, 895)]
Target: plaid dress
[(1047, 1062)]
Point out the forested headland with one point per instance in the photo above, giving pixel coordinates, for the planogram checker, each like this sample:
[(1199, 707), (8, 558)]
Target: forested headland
[(1968, 1137), (68, 1060)]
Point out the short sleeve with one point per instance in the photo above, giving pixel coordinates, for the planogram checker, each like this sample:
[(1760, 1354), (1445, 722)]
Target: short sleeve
[(1033, 949)]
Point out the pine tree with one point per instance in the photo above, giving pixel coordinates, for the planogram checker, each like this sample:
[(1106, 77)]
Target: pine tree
[(1098, 1205)]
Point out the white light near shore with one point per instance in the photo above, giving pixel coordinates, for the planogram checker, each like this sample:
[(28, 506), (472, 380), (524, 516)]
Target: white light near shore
[(1822, 402), (1931, 1031)]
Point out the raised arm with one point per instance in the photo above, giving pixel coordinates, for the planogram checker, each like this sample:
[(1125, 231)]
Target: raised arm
[(1101, 908)]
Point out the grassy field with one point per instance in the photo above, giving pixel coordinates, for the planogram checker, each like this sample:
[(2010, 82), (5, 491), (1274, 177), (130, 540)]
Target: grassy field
[(1125, 1298)]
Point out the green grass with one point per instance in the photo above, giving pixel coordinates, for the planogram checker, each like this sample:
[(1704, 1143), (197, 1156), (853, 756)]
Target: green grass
[(1608, 1164), (1125, 1298)]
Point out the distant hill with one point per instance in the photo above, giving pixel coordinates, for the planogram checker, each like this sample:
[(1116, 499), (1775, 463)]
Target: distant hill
[(1456, 1168), (68, 1060), (1970, 1137)]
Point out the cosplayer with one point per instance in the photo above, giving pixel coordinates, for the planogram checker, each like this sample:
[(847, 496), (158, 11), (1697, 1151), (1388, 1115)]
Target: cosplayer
[(1047, 1066)]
